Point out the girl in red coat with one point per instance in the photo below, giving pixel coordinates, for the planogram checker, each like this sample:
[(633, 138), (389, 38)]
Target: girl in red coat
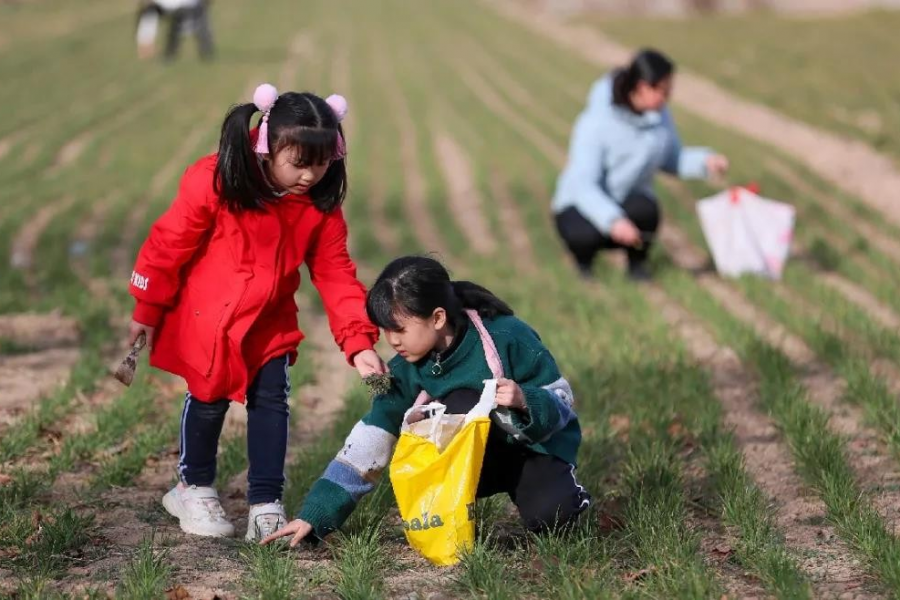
[(215, 283)]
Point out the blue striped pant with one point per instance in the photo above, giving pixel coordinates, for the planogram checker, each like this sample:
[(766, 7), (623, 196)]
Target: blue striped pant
[(267, 434)]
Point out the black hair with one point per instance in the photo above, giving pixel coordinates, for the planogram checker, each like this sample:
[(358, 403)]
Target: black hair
[(300, 120), (145, 8), (648, 65), (417, 285)]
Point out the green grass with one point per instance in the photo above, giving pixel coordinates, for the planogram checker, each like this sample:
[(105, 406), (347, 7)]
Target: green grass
[(624, 362), (658, 538), (360, 565), (40, 589), (865, 388), (121, 469), (45, 539), (766, 555), (10, 347), (759, 544), (111, 424), (359, 558), (485, 572), (39, 546), (272, 573), (809, 68), (819, 453), (575, 565), (147, 574), (822, 234), (842, 334), (83, 378)]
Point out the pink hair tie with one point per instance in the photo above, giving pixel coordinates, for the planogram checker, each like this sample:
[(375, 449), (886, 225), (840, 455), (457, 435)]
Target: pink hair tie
[(338, 104), (340, 148), (264, 98)]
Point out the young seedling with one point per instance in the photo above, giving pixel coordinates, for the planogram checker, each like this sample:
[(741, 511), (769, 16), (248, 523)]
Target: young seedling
[(378, 383)]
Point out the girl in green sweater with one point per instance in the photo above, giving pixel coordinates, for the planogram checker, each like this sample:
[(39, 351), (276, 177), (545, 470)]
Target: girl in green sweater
[(534, 434)]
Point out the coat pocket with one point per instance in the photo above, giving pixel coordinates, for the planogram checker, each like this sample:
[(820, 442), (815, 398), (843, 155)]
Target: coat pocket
[(204, 330)]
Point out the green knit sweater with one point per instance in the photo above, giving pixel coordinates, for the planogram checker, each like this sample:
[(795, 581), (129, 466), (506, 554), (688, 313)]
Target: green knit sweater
[(547, 426)]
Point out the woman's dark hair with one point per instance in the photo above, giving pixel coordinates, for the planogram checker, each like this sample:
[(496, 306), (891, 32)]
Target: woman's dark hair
[(417, 285), (299, 120), (649, 66)]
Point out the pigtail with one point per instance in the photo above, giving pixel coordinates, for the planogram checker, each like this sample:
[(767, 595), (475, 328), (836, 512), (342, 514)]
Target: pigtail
[(330, 192), (238, 178), (624, 82), (473, 296)]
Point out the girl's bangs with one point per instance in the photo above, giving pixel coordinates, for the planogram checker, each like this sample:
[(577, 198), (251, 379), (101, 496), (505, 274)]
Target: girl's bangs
[(381, 306), (315, 146), (382, 314)]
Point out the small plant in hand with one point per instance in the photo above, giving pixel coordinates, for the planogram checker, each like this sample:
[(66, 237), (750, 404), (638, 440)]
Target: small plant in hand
[(378, 383)]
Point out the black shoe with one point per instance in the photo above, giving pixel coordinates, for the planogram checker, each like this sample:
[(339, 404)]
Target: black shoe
[(585, 272), (639, 272)]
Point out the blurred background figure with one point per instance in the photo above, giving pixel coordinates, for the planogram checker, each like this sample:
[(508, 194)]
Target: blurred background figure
[(604, 197), (185, 17)]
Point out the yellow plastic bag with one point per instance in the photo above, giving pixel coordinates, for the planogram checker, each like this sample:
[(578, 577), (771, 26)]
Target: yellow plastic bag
[(434, 473)]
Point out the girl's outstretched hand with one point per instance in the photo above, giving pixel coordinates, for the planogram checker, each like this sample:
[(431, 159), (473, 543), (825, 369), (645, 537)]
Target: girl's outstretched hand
[(368, 362), (297, 528), (510, 394)]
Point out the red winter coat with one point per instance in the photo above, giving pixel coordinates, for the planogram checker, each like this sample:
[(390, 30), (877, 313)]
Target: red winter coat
[(219, 286)]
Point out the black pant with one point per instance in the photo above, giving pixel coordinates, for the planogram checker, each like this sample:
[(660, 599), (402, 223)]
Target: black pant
[(585, 241), (196, 17), (542, 487), (267, 434)]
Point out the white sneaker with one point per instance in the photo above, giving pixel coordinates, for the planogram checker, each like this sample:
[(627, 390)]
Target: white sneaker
[(198, 510), (264, 520)]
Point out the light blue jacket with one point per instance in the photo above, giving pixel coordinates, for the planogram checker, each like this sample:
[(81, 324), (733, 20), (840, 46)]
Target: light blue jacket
[(615, 152)]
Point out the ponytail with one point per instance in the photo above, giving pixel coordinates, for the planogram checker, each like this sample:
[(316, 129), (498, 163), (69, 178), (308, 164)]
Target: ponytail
[(238, 180), (418, 285), (624, 82), (649, 66), (473, 296)]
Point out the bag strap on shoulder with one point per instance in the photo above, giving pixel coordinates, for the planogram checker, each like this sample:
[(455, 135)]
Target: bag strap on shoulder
[(487, 342)]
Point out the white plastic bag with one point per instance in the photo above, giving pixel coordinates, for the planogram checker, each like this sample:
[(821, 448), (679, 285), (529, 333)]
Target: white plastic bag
[(747, 233), (439, 427)]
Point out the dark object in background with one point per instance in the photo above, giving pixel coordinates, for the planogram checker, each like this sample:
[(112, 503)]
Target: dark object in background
[(584, 240), (185, 16)]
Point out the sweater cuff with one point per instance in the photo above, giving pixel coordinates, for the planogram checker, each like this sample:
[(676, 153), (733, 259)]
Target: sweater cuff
[(355, 344), (542, 416), (692, 162), (326, 507), (148, 314), (608, 219)]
